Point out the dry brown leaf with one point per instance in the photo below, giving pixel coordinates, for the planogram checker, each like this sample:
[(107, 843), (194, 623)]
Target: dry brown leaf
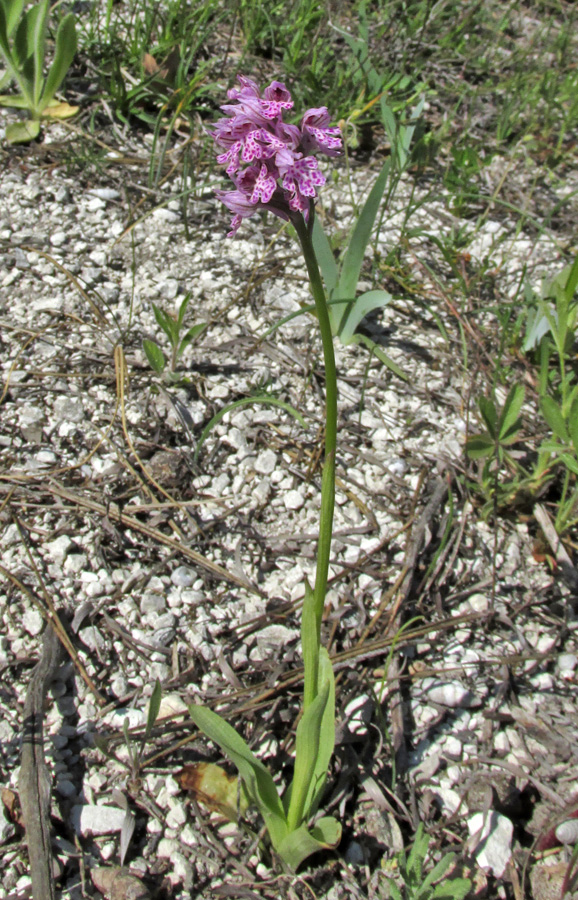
[(118, 884), (212, 787), (12, 805)]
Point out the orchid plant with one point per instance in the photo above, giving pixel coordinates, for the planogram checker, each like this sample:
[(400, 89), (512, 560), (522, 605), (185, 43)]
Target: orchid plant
[(273, 167)]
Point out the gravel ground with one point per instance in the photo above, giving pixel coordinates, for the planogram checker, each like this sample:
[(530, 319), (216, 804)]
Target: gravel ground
[(191, 572)]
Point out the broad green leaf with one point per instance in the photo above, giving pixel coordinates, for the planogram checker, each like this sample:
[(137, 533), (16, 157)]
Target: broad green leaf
[(23, 132), (155, 356), (300, 844), (553, 415), (353, 258), (377, 351), (325, 257), (190, 336), (508, 423), (489, 415), (258, 781), (246, 401), (64, 52), (357, 311)]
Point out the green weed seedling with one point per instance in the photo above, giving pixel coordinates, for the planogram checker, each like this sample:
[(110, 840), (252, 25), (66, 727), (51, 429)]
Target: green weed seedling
[(415, 886), (551, 332), (23, 49), (502, 430), (172, 327), (135, 749)]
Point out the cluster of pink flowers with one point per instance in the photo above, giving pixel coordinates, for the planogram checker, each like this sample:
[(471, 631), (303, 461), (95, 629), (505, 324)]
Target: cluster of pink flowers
[(271, 162)]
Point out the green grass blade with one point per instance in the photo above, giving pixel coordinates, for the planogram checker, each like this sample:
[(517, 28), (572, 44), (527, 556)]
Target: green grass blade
[(257, 779), (246, 401), (64, 52)]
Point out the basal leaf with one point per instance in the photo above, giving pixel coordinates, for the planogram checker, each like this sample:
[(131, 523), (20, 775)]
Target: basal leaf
[(353, 258), (23, 132), (300, 844), (306, 752), (59, 111), (64, 52), (14, 101), (357, 311), (258, 781)]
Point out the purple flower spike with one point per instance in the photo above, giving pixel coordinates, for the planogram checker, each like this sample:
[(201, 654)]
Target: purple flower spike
[(270, 161)]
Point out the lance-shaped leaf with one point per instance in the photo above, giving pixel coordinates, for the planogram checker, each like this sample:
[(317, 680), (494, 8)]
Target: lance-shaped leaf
[(353, 258), (64, 51), (257, 780), (509, 424)]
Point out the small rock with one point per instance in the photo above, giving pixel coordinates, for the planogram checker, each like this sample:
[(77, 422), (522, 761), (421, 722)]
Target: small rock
[(167, 848), (266, 462), (66, 788), (32, 622), (354, 854), (450, 693), (183, 577), (95, 820), (58, 238), (59, 547), (293, 500), (567, 832), (492, 835), (166, 215), (104, 193)]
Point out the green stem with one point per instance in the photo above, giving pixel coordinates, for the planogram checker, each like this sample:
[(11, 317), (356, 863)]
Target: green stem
[(328, 477)]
